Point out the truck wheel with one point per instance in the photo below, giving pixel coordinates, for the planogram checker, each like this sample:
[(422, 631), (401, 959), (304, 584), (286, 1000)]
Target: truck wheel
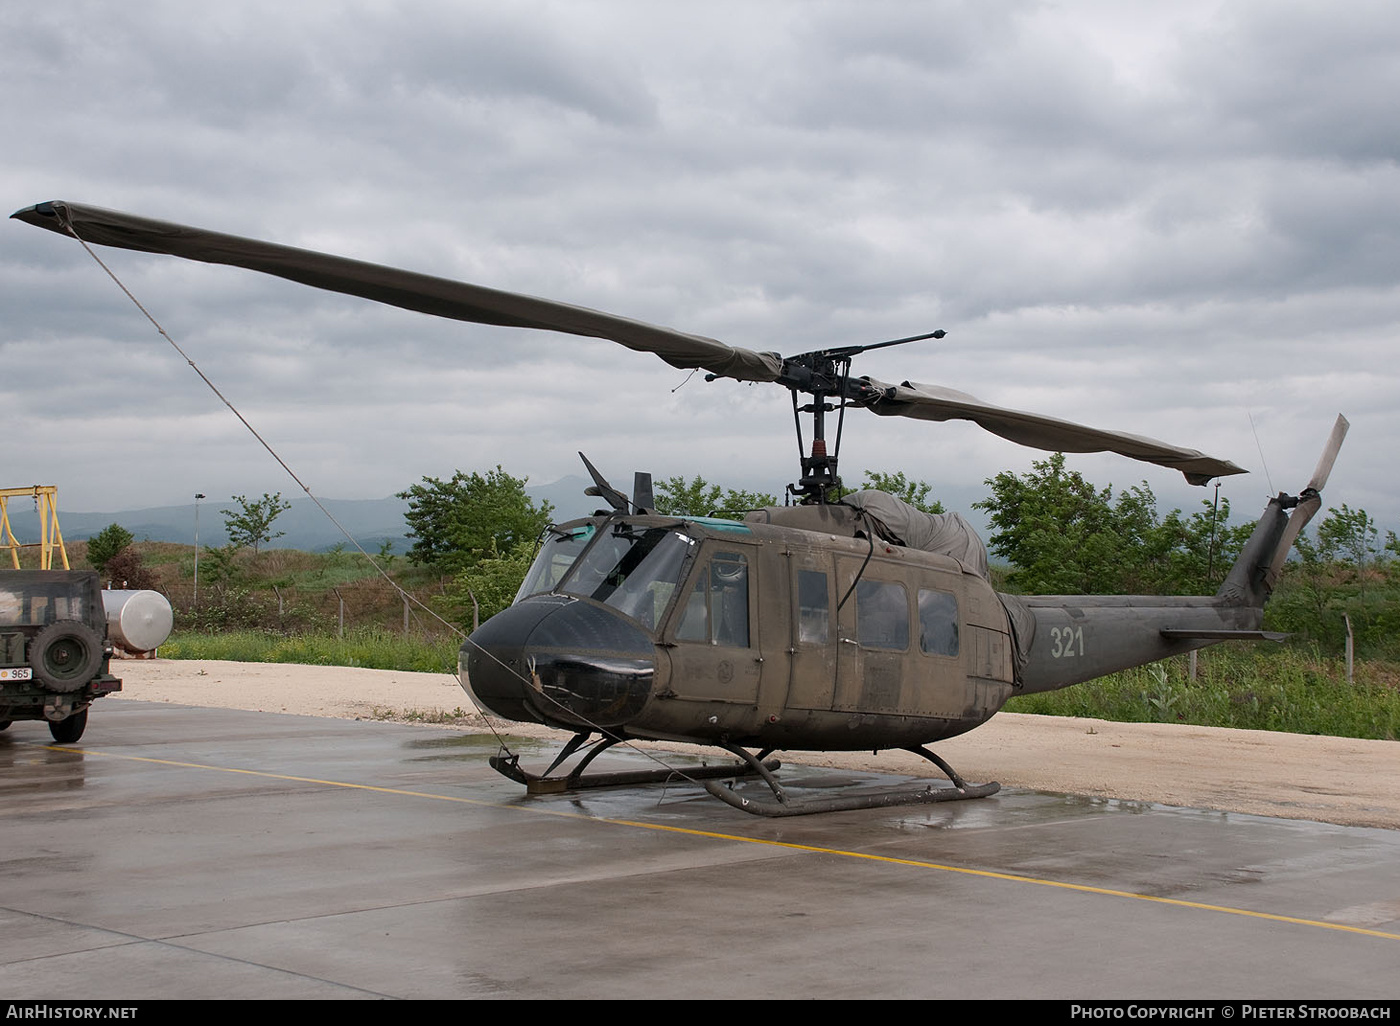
[(65, 732), (65, 655)]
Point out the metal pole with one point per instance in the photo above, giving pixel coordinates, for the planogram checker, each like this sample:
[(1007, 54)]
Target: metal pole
[(1349, 646), (197, 497)]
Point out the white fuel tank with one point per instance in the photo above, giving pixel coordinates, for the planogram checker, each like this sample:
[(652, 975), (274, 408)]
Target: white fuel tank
[(137, 621)]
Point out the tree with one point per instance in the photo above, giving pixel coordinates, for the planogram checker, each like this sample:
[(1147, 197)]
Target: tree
[(1202, 550), (492, 581), (1326, 584), (106, 544), (252, 523), (1054, 526), (1349, 535), (457, 523), (220, 566), (1065, 535), (699, 498)]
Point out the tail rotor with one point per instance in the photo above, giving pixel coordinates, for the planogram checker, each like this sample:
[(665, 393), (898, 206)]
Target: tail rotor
[(1309, 500)]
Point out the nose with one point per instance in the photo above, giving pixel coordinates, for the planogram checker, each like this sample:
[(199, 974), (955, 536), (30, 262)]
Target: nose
[(560, 661)]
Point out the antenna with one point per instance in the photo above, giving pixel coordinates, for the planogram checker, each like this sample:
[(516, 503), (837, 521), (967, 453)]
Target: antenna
[(1262, 461)]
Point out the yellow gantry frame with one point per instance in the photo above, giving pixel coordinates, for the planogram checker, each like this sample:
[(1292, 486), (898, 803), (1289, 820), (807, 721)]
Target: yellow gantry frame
[(46, 504)]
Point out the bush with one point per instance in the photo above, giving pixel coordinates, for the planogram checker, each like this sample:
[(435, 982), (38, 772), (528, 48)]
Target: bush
[(106, 544), (127, 569)]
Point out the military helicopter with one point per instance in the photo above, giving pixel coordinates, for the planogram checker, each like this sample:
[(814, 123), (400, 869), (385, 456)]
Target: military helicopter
[(830, 624)]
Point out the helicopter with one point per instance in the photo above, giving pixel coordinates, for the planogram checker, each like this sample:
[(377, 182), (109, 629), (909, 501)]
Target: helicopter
[(832, 623)]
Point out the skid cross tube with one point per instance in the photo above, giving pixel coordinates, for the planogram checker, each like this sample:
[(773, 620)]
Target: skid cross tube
[(577, 780), (786, 805)]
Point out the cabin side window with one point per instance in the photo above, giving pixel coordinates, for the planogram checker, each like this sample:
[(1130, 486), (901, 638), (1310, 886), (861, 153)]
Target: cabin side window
[(717, 609), (813, 608), (938, 622), (882, 615)]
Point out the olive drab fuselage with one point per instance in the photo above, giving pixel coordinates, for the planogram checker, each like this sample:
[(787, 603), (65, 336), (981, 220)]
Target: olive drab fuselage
[(753, 634)]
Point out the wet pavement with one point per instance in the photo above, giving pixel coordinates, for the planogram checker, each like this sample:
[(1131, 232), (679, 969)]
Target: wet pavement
[(182, 852)]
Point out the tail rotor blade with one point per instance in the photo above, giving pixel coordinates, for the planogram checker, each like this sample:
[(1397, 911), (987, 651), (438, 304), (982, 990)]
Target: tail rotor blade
[(1329, 454), (1296, 522)]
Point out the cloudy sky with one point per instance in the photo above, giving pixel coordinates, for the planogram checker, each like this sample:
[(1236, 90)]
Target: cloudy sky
[(1171, 219)]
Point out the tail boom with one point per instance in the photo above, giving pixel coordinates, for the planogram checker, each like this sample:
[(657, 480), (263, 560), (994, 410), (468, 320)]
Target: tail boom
[(1080, 637)]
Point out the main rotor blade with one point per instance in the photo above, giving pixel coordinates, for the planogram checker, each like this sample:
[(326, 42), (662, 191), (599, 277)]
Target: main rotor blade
[(933, 402), (441, 297)]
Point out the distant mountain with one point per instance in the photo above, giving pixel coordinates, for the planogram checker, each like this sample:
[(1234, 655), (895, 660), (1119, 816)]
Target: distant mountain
[(369, 521)]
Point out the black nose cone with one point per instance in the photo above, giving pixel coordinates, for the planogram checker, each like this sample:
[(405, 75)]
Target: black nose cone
[(560, 661)]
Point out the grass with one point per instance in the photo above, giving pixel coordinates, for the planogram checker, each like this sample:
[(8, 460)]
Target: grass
[(368, 647), (456, 718), (1289, 689)]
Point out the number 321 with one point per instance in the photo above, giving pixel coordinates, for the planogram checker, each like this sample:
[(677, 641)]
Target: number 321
[(1068, 642)]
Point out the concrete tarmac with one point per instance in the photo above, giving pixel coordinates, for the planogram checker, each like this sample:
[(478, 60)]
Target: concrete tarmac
[(182, 852)]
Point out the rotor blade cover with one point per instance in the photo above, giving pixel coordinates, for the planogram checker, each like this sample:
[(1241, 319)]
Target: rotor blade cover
[(441, 297), (934, 402)]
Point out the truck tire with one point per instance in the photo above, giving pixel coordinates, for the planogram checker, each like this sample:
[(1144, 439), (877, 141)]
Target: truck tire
[(65, 655), (65, 732)]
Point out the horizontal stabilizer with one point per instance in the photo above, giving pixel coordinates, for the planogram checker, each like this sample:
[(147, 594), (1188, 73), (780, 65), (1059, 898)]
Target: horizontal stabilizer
[(1199, 635)]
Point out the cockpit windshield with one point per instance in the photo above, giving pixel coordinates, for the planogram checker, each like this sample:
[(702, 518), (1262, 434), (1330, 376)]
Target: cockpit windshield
[(556, 556), (634, 570)]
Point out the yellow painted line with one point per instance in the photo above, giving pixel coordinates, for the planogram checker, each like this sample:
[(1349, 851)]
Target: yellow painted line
[(715, 835)]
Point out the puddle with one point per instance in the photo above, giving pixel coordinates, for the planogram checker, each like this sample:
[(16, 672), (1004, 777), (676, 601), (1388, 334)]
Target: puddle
[(478, 746)]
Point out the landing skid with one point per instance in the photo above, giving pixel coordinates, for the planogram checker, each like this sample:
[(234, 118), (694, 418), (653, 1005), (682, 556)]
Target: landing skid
[(785, 805), (577, 780), (748, 765)]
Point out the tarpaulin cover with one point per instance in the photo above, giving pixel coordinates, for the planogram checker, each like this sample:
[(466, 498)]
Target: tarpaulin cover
[(945, 533)]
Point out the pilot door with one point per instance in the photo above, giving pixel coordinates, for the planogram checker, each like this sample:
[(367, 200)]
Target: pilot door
[(714, 655)]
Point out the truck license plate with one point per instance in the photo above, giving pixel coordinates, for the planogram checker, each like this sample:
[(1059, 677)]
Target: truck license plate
[(15, 673)]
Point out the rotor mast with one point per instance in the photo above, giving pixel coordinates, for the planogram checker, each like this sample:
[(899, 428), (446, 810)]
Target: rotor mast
[(826, 374)]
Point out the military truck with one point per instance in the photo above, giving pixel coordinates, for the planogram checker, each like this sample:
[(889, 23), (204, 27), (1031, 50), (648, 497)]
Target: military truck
[(54, 649)]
